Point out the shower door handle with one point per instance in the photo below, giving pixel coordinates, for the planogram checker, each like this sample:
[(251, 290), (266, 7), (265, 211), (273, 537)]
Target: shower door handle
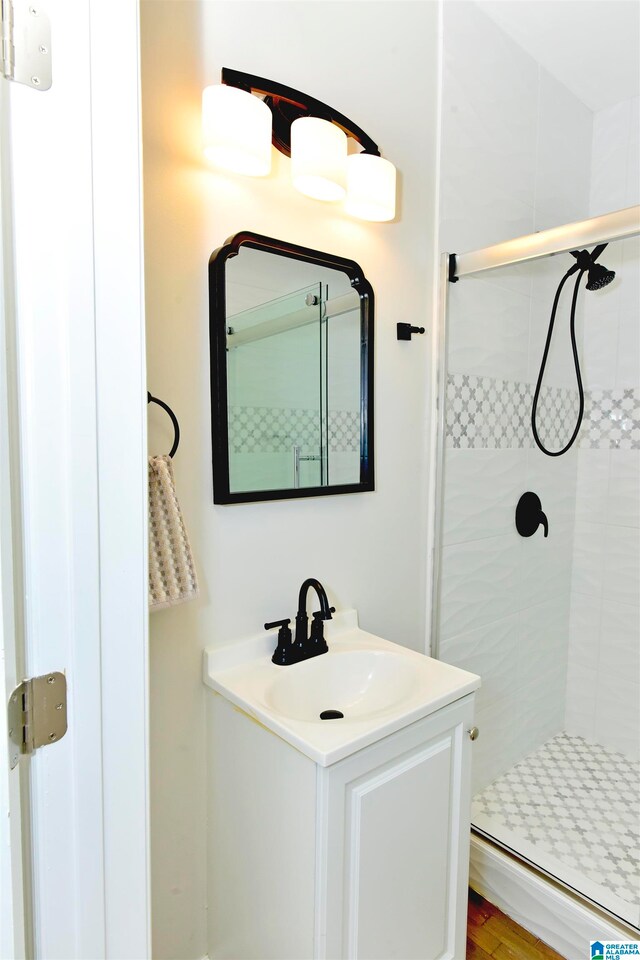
[(529, 515)]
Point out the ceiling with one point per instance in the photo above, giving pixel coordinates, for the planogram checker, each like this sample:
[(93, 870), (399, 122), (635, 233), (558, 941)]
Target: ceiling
[(591, 46)]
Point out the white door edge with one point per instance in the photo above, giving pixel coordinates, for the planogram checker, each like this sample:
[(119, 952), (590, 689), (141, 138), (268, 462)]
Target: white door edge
[(75, 157), (122, 472), (12, 902)]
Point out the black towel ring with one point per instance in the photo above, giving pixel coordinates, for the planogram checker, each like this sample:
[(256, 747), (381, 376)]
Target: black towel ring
[(174, 421)]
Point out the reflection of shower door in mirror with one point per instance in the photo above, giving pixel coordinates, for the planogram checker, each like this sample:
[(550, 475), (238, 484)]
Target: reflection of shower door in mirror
[(277, 393), (343, 345)]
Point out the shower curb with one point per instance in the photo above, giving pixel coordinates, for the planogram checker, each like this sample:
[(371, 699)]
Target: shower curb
[(553, 914)]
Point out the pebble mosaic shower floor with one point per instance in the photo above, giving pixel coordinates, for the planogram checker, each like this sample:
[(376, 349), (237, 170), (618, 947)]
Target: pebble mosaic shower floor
[(573, 809)]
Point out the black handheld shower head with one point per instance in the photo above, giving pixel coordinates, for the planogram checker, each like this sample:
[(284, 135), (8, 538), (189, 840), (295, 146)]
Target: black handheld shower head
[(597, 275)]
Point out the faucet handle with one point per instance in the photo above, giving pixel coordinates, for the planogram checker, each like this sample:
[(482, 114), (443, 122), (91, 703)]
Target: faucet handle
[(319, 615), (277, 623), (317, 643), (283, 654)]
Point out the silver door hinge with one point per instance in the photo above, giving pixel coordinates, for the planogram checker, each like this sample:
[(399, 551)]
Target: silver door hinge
[(37, 714), (25, 34)]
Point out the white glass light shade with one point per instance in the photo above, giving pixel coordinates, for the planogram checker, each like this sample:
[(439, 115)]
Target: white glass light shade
[(318, 158), (371, 187), (236, 130)]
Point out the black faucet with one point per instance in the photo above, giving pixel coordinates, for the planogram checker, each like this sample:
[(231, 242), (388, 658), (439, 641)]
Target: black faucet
[(303, 647)]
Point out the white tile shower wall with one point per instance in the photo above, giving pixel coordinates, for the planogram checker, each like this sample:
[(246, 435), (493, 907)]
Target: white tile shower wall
[(603, 683), (515, 158)]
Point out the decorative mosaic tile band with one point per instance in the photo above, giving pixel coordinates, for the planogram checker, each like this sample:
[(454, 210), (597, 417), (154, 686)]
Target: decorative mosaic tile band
[(272, 430), (490, 413), (611, 420)]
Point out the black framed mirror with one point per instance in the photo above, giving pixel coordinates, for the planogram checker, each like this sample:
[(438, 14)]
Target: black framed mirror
[(291, 339)]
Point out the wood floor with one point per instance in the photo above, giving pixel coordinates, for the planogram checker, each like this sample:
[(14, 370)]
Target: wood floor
[(491, 934)]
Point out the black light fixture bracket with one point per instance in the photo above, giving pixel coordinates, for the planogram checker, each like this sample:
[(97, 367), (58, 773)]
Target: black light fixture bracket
[(287, 105)]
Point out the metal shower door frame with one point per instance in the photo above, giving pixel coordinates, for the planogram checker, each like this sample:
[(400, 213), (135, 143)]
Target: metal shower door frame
[(620, 225)]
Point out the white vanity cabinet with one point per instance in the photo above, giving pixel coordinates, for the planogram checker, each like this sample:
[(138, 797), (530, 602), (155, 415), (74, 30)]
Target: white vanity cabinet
[(363, 858)]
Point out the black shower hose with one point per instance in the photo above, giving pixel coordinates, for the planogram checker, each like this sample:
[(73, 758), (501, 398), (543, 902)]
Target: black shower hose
[(576, 362)]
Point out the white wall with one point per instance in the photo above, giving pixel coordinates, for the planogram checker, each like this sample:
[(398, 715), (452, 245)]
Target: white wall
[(515, 159), (603, 689), (376, 62)]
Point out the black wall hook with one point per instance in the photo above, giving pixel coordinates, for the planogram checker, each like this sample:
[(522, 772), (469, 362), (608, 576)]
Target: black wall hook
[(174, 421), (405, 330)]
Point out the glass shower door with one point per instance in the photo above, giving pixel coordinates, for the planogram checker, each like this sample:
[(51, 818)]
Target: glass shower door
[(549, 622)]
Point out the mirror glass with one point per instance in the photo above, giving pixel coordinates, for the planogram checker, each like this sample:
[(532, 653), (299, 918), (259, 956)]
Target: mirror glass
[(291, 378)]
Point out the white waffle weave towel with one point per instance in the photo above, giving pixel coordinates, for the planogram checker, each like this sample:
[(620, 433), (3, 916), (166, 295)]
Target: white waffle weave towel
[(172, 573)]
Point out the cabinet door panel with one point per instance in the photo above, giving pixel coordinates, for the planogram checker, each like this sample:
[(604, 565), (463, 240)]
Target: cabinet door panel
[(397, 857), (393, 845)]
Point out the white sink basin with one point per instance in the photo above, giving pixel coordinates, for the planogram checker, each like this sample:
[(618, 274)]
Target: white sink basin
[(358, 683), (378, 686)]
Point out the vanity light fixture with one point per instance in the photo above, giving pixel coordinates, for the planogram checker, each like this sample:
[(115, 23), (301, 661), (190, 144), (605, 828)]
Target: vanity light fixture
[(371, 187), (236, 131), (318, 158), (244, 115)]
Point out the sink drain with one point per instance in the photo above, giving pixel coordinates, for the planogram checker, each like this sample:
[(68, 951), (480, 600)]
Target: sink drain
[(331, 715)]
